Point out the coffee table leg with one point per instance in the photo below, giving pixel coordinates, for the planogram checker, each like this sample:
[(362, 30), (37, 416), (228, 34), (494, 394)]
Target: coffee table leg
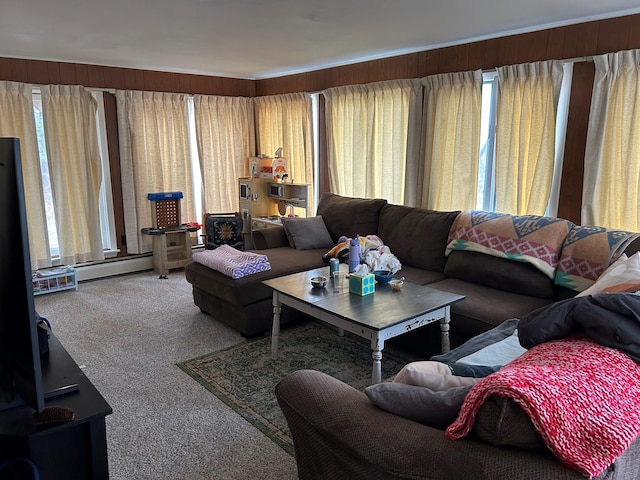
[(377, 345), (275, 329), (445, 344)]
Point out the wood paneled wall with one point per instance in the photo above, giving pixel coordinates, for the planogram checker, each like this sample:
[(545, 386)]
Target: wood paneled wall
[(575, 41), (581, 40), (97, 76)]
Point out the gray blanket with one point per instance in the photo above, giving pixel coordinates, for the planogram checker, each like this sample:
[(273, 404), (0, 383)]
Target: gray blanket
[(611, 319)]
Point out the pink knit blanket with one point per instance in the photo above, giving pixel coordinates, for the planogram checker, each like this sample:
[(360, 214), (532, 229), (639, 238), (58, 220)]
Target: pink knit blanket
[(231, 262), (583, 399)]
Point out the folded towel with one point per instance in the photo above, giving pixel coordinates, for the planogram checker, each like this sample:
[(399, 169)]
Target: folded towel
[(231, 262)]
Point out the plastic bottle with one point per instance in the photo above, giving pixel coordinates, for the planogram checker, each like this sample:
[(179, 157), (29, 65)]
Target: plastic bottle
[(354, 254)]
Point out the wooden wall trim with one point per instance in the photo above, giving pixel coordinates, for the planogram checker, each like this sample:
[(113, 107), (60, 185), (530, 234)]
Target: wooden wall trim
[(96, 76), (568, 42)]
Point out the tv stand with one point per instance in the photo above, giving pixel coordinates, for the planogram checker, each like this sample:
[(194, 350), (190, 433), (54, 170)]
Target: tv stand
[(75, 449)]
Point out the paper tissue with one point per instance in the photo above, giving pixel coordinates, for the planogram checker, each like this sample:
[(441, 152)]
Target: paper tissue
[(361, 282)]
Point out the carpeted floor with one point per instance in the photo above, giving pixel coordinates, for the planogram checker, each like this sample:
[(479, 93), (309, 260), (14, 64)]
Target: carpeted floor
[(244, 376), (128, 333)]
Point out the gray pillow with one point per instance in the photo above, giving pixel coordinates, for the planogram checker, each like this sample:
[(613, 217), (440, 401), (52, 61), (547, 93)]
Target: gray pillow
[(307, 233), (437, 409)]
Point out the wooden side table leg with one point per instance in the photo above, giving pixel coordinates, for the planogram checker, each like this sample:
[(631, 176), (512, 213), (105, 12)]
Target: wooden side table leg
[(275, 329), (445, 344)]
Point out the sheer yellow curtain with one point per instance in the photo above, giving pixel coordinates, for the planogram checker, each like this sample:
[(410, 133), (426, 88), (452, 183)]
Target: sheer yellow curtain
[(611, 189), (225, 131), (452, 114), (368, 128), (69, 118), (17, 120), (525, 136), (154, 157), (285, 121)]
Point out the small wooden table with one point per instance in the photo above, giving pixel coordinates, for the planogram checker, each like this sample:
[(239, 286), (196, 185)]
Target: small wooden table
[(379, 316)]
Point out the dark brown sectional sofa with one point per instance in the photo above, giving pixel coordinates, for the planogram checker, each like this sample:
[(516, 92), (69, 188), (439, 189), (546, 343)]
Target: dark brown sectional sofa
[(495, 288), (337, 431)]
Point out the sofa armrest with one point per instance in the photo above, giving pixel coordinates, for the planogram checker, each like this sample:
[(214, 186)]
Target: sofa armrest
[(271, 237), (339, 433)]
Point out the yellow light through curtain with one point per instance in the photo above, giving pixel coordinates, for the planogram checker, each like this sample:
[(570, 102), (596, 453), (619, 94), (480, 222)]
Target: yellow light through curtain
[(525, 136), (154, 157), (285, 121), (367, 130), (611, 190), (75, 170), (452, 114), (17, 120), (225, 131)]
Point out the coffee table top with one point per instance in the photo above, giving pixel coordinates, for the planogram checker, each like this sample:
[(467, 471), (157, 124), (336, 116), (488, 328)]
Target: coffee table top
[(378, 311)]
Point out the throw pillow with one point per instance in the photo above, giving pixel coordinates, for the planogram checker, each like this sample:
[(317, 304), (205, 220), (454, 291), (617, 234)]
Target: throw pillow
[(307, 233), (499, 353), (433, 375), (501, 422), (420, 404), (621, 276)]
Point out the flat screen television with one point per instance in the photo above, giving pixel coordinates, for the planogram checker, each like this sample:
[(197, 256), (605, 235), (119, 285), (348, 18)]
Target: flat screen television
[(20, 368)]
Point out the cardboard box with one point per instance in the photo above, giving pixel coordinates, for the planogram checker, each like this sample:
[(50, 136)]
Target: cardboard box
[(362, 284)]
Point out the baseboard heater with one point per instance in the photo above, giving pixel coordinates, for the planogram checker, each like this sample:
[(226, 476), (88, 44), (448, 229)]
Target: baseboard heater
[(109, 268)]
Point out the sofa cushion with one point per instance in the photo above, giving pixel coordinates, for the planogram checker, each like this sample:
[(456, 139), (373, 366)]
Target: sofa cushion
[(437, 409), (247, 290), (484, 307), (350, 216), (307, 233), (419, 275), (587, 251), (417, 237), (501, 273), (501, 422)]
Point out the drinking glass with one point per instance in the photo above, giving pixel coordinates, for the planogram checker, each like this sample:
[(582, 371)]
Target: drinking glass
[(338, 279)]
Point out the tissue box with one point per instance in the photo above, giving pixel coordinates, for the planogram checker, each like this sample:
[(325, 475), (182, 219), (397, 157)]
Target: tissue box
[(362, 284)]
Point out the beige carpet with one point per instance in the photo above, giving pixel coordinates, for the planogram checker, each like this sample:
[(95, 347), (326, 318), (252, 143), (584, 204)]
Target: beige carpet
[(129, 332)]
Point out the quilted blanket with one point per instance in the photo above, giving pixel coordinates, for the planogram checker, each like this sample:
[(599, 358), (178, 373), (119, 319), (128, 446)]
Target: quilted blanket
[(583, 399), (231, 262), (526, 238)]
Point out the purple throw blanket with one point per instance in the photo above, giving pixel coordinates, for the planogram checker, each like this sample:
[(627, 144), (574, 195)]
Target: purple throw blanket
[(231, 262)]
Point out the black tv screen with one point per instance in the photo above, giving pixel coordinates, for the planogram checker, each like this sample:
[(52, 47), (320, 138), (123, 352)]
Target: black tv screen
[(20, 370)]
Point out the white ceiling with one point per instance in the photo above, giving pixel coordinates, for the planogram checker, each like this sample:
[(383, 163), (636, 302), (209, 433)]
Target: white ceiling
[(265, 38)]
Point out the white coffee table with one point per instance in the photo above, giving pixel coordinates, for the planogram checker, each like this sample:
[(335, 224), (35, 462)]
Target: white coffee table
[(379, 316)]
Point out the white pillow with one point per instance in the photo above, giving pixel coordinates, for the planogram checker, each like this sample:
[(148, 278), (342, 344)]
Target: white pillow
[(499, 353), (621, 276), (433, 375)]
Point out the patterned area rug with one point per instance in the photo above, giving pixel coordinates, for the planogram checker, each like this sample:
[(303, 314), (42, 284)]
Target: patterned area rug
[(244, 376)]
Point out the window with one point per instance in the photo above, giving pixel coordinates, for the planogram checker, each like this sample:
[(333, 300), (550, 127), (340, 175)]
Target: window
[(486, 186), (107, 222)]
